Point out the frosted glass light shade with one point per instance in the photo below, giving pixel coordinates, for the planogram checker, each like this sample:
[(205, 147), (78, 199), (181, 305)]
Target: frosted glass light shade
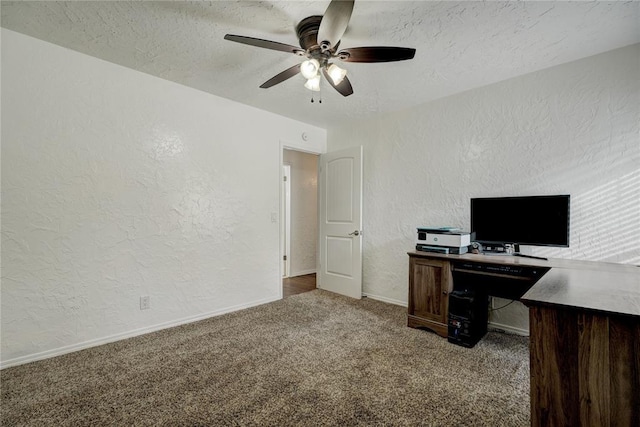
[(336, 73), (309, 69), (313, 84)]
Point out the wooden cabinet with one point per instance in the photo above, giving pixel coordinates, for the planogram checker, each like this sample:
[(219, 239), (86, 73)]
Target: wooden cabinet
[(429, 285)]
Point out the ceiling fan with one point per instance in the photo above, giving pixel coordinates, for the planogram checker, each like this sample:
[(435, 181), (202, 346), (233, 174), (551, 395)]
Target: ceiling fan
[(319, 38)]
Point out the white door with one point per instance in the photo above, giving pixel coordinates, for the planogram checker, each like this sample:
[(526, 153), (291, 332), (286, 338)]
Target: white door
[(340, 222)]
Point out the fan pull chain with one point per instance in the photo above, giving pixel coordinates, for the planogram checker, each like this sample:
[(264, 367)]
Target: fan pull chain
[(319, 96)]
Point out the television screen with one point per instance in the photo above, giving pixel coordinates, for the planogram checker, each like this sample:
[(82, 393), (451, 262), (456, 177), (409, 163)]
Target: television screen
[(530, 220)]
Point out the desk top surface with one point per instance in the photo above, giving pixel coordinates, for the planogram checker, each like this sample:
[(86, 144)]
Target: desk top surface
[(591, 285)]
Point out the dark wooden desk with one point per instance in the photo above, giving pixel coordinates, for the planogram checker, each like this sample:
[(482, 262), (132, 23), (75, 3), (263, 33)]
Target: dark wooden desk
[(584, 339), (585, 347)]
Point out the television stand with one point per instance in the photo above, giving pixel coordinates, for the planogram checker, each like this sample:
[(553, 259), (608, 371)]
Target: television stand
[(530, 256), (516, 252)]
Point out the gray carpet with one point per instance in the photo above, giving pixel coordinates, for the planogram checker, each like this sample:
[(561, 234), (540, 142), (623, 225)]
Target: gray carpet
[(311, 359)]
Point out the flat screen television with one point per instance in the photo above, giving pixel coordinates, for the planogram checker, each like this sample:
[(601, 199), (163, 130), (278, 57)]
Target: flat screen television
[(528, 220)]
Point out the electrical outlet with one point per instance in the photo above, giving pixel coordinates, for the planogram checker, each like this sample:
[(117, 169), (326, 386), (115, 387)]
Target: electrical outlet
[(145, 302)]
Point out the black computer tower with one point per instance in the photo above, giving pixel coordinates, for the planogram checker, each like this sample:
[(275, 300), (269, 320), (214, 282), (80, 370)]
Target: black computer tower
[(468, 316)]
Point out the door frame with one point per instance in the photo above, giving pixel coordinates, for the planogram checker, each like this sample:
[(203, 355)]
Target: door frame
[(304, 148), (285, 237)]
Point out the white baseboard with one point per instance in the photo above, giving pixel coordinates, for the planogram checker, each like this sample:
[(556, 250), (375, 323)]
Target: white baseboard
[(302, 273), (129, 334), (385, 299), (508, 328)]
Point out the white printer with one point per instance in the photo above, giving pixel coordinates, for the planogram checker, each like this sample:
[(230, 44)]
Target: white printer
[(446, 240)]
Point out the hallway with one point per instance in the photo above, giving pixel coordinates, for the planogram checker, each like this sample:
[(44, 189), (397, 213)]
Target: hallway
[(298, 284)]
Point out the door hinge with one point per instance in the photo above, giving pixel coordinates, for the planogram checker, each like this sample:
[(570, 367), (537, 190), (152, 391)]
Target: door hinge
[(284, 178), (284, 258)]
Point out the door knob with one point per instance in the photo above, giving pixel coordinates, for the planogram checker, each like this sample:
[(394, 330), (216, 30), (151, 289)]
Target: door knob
[(355, 233)]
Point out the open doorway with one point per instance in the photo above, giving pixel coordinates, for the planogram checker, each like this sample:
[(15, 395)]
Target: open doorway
[(300, 221)]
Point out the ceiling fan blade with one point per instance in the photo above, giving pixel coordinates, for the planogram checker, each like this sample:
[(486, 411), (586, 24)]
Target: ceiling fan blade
[(344, 87), (267, 44), (279, 78), (376, 54), (334, 22)]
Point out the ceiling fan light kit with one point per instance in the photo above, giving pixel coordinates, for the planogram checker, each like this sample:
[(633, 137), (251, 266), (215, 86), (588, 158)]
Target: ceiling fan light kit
[(319, 38), (309, 68), (313, 83), (336, 73)]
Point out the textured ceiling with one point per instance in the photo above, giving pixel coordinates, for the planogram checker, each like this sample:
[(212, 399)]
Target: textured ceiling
[(460, 45)]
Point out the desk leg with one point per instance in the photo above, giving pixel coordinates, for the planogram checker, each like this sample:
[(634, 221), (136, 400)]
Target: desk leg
[(554, 367), (625, 371), (585, 368)]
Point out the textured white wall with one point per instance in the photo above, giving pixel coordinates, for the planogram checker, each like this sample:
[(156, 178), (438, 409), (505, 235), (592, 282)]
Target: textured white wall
[(304, 211), (116, 184), (569, 129)]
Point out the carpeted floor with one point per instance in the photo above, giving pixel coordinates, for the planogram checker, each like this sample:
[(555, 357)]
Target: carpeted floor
[(312, 359)]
